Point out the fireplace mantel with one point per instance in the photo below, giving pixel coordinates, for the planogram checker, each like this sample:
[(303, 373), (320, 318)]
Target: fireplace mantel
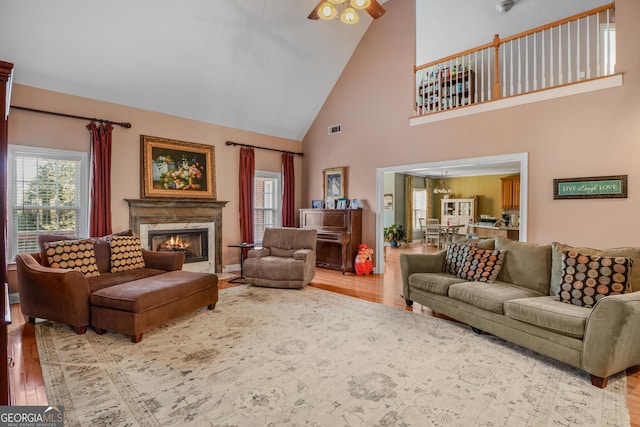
[(163, 211)]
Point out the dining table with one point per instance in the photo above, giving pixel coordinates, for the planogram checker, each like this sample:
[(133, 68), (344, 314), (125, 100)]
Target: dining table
[(446, 233)]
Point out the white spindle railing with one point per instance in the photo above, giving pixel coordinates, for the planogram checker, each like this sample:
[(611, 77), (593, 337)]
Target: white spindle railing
[(564, 52)]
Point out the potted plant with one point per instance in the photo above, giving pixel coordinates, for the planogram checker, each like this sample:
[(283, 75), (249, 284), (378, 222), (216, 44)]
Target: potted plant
[(394, 234)]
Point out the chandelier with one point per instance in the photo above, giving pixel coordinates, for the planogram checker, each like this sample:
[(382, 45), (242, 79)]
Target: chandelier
[(329, 9), (442, 189)]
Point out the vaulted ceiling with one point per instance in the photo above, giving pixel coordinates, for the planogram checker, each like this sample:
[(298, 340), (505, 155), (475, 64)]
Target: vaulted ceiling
[(257, 65)]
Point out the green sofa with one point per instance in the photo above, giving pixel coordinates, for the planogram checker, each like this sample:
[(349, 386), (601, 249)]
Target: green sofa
[(522, 305)]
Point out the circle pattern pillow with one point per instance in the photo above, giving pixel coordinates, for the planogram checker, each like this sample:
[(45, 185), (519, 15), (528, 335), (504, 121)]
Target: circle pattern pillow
[(586, 279), (482, 265), (126, 253), (76, 255)]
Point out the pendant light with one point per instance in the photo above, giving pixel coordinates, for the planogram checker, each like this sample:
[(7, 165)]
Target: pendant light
[(327, 11), (349, 16)]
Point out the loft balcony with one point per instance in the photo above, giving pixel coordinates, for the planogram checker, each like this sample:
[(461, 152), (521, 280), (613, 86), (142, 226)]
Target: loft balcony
[(573, 55)]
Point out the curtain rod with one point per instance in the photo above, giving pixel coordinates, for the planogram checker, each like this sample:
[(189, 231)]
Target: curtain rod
[(33, 110), (263, 148)]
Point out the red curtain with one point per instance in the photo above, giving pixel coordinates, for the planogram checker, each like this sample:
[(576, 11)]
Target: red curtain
[(100, 209), (247, 172), (288, 191)]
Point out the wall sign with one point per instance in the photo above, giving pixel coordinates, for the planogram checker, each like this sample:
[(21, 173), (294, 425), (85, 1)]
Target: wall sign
[(594, 187)]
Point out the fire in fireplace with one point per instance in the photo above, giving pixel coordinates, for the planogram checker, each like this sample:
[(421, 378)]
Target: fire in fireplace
[(193, 242)]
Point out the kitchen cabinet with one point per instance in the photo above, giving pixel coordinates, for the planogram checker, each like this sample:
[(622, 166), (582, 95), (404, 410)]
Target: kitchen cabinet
[(511, 192)]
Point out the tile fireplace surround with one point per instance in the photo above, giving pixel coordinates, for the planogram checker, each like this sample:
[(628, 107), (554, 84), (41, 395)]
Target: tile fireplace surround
[(158, 214)]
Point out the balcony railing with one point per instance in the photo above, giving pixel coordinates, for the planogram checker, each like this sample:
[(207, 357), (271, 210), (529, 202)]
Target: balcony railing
[(579, 48)]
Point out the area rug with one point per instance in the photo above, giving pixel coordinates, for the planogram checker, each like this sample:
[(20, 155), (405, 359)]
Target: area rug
[(270, 357)]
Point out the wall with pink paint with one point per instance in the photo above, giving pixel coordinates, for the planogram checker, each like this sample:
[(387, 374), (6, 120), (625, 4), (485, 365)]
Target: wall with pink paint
[(591, 134), (41, 130)]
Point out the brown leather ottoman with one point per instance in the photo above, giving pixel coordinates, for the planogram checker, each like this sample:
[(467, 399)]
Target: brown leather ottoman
[(133, 307)]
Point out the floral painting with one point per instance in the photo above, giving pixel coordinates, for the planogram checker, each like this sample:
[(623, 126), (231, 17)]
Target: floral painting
[(177, 169)]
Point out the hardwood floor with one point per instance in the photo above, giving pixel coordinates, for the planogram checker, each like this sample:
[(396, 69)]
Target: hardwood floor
[(27, 385)]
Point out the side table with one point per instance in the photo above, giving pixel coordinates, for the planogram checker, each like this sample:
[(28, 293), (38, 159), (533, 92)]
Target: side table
[(242, 247)]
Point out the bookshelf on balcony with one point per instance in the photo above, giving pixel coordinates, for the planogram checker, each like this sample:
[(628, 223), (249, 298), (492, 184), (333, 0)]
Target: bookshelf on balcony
[(444, 90)]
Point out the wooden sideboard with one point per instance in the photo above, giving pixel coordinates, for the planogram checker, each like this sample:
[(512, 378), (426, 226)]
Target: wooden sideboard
[(339, 235)]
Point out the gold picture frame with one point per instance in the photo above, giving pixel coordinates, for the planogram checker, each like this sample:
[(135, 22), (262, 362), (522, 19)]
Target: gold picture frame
[(334, 182), (177, 169)]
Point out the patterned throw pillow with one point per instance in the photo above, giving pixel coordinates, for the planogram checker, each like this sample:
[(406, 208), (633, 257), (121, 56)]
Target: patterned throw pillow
[(126, 253), (482, 265), (586, 279), (77, 255), (457, 254)]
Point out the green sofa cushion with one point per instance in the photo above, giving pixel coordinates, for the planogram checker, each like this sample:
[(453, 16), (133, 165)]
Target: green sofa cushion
[(437, 283), (546, 312), (526, 264), (483, 242), (489, 296)]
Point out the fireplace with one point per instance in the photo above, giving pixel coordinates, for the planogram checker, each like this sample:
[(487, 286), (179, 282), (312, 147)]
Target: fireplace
[(197, 223), (192, 242)]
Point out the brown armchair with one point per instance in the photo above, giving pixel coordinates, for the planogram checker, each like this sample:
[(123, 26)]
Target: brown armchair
[(287, 259)]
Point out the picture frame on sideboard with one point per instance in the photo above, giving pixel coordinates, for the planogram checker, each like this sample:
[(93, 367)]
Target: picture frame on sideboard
[(330, 203)]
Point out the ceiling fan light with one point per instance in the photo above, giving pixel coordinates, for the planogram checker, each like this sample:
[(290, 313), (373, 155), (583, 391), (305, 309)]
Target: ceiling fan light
[(336, 1), (327, 11), (360, 4), (349, 16)]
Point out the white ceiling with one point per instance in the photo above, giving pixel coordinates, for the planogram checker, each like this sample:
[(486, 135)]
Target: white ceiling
[(464, 24), (467, 169), (257, 65)]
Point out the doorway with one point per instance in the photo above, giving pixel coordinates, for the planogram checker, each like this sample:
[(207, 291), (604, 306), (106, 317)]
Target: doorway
[(462, 167)]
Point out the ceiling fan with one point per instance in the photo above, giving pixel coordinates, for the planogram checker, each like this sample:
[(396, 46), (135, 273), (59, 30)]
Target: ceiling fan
[(325, 9)]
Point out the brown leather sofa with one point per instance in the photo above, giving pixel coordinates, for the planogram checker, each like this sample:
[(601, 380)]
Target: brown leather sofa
[(129, 302)]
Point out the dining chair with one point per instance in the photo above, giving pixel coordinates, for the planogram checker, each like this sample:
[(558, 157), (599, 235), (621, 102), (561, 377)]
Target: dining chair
[(423, 230), (432, 231)]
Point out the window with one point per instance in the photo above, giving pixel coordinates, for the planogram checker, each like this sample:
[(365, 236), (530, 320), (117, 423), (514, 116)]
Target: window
[(608, 49), (47, 194), (266, 203), (419, 206)]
